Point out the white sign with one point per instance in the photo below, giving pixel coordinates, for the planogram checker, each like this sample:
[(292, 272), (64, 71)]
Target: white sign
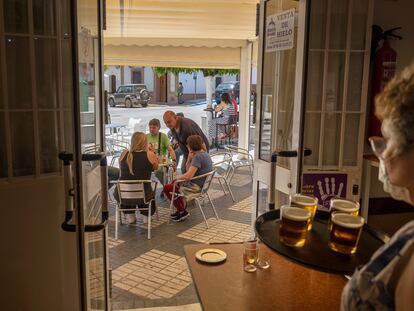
[(280, 31)]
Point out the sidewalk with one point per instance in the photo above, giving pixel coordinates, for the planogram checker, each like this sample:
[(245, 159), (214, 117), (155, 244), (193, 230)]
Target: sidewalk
[(154, 273)]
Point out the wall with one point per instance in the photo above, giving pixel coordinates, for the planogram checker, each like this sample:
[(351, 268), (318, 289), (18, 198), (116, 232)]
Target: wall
[(149, 78), (389, 14)]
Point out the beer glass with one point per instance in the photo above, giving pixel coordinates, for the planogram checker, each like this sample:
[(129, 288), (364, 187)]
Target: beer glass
[(344, 232), (306, 202), (294, 225), (250, 254), (344, 206)]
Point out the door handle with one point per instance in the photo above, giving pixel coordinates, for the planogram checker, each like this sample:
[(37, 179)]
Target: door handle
[(282, 154), (67, 159)]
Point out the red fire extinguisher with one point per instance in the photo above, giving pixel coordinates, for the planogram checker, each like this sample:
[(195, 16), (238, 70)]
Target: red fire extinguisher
[(384, 69)]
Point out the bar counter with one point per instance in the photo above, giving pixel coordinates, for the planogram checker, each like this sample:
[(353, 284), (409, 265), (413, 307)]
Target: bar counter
[(284, 286)]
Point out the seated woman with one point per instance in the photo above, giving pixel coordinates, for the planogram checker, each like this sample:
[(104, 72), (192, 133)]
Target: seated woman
[(386, 282), (217, 126), (137, 163), (198, 163)]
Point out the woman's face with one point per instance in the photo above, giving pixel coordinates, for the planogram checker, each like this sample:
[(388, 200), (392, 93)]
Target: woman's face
[(399, 166)]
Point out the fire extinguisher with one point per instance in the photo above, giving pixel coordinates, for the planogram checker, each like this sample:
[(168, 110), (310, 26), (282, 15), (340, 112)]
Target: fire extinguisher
[(385, 61)]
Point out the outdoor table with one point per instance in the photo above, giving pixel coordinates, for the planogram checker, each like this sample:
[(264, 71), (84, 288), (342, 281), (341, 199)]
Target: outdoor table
[(284, 286)]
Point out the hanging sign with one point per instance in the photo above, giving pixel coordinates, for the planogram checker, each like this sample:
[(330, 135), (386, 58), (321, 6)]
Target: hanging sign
[(324, 186), (280, 31)]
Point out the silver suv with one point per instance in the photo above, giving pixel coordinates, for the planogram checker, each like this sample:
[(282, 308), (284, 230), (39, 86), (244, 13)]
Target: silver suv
[(130, 95)]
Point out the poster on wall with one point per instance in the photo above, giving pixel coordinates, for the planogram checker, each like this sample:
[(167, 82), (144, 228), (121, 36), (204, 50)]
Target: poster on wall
[(280, 31), (324, 186)]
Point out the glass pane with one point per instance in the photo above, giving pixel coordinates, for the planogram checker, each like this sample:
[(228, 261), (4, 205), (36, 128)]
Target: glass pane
[(314, 81), (359, 24), (356, 68), (65, 17), (19, 84), (311, 139), (286, 95), (22, 141), (68, 131), (351, 139), (44, 17), (89, 95), (332, 133), (339, 21), (46, 72), (2, 99), (3, 150), (317, 26), (335, 81), (67, 91), (15, 16), (48, 136)]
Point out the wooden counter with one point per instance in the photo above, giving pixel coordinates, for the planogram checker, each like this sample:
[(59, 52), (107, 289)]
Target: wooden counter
[(284, 286)]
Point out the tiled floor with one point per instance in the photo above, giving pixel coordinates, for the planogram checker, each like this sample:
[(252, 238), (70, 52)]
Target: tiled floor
[(154, 273)]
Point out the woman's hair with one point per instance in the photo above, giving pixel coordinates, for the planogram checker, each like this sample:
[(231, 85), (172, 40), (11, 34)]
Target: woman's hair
[(195, 142), (138, 143), (395, 106), (155, 122), (226, 98)]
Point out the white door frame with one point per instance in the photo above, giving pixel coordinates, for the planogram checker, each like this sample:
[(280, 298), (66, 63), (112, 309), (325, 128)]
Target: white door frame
[(287, 180)]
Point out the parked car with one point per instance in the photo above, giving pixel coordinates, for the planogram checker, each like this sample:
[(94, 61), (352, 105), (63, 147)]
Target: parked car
[(130, 95), (233, 88)]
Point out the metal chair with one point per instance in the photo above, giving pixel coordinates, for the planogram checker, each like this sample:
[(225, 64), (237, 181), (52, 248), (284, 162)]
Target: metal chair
[(114, 148), (134, 190), (240, 158), (196, 196), (222, 164)]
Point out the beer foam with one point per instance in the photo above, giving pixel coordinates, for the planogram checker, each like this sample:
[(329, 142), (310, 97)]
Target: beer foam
[(304, 200), (344, 205), (347, 221), (295, 213)]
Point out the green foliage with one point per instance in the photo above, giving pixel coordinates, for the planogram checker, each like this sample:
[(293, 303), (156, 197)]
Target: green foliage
[(206, 72)]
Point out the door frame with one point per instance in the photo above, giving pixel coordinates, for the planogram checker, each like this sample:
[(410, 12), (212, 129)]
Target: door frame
[(287, 180)]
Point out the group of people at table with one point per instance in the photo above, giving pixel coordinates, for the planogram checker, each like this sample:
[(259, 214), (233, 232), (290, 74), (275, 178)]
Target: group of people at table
[(148, 151), (386, 282)]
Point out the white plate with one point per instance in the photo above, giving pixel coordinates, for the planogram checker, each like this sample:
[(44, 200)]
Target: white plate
[(211, 255)]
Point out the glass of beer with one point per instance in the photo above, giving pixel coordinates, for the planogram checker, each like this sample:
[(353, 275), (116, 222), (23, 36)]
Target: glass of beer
[(308, 203), (294, 225), (250, 254), (344, 232), (344, 206)]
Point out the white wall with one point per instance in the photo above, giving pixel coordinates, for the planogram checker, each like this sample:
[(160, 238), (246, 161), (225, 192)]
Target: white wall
[(389, 14)]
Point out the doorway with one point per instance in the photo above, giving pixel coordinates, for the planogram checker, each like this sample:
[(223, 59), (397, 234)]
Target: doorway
[(162, 88)]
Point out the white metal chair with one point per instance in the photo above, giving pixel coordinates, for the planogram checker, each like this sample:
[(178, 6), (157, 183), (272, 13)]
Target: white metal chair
[(196, 196), (133, 190), (222, 164), (240, 158), (114, 148)]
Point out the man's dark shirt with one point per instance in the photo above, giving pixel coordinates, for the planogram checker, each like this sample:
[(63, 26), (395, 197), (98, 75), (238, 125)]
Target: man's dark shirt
[(187, 128)]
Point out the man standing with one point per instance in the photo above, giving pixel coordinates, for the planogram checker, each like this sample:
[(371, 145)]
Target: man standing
[(181, 128), (180, 92)]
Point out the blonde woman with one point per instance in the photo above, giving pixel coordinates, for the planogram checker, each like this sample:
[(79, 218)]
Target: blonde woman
[(138, 163)]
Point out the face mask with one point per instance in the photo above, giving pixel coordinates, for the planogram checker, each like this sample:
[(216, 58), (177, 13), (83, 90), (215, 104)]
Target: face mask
[(396, 192)]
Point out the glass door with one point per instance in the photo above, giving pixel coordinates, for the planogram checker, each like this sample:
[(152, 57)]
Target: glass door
[(280, 99), (89, 211)]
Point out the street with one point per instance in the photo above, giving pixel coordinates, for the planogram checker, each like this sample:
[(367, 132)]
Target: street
[(138, 118)]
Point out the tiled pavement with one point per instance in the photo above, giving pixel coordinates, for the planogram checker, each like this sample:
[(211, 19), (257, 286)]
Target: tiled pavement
[(153, 273)]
